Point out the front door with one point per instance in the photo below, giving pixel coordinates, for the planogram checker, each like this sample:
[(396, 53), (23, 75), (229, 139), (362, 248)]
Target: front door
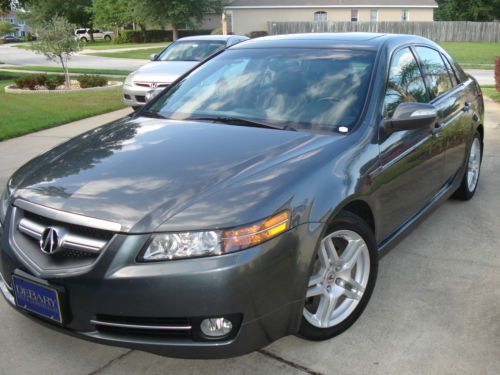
[(412, 161)]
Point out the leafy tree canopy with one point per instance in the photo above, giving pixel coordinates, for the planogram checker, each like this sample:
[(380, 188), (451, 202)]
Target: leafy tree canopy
[(42, 11), (468, 10)]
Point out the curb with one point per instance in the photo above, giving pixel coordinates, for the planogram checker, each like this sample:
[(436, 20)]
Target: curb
[(11, 90)]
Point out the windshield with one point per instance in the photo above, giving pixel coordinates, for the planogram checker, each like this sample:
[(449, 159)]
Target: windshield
[(316, 89), (191, 50)]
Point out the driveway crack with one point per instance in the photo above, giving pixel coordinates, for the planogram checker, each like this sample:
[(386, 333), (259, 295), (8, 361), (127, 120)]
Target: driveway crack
[(110, 363), (289, 363)]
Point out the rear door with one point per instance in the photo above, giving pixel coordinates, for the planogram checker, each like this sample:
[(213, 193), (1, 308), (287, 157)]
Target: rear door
[(449, 97), (412, 161)]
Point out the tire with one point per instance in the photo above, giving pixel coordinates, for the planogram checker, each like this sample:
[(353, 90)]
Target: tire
[(469, 183), (83, 39), (346, 285), (107, 38)]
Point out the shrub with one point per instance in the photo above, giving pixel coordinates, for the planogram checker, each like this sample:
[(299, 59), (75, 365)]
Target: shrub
[(40, 79), (29, 82), (217, 31), (150, 36), (497, 72), (87, 81), (257, 34), (53, 82)]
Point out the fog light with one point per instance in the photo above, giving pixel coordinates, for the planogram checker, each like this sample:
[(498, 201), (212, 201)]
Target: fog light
[(216, 327)]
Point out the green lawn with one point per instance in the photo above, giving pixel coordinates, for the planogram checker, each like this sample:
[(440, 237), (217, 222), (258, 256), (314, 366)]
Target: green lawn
[(138, 54), (22, 114), (53, 69), (473, 55), (491, 92)]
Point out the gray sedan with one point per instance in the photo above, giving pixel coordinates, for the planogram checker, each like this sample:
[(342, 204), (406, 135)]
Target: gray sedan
[(170, 64)]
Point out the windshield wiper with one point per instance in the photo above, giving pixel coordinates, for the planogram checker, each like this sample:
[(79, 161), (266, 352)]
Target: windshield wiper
[(242, 121), (152, 115)]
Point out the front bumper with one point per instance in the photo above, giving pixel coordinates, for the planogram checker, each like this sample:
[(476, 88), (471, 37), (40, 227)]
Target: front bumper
[(263, 287)]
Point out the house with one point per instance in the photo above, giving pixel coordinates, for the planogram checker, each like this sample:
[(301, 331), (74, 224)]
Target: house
[(245, 16), (19, 25)]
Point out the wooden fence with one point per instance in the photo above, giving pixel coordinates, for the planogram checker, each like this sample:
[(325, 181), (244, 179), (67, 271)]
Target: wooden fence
[(445, 31)]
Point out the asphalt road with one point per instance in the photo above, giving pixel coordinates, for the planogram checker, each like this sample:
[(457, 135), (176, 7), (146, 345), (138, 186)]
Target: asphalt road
[(435, 309), (18, 56)]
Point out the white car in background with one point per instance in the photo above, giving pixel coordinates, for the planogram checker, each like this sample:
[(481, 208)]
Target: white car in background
[(83, 35), (175, 60)]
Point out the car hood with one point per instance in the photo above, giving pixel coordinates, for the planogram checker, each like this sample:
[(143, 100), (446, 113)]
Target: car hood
[(163, 71), (143, 172)]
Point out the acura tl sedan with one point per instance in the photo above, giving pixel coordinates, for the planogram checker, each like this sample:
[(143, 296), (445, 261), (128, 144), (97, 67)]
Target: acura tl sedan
[(249, 201), (171, 63)]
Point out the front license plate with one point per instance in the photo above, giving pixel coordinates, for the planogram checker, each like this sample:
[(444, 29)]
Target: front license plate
[(36, 298)]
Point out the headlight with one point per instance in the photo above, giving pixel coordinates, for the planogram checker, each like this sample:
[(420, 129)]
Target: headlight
[(4, 203), (128, 80), (169, 246)]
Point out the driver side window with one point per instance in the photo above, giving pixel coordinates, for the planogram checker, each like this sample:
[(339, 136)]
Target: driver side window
[(405, 83)]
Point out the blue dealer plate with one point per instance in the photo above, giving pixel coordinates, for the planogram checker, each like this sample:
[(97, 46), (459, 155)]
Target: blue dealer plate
[(36, 298)]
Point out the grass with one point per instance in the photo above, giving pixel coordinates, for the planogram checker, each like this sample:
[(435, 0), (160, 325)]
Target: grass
[(54, 69), (473, 55), (144, 54), (23, 114), (491, 92)]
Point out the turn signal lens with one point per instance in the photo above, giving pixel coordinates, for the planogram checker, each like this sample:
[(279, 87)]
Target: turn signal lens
[(241, 238)]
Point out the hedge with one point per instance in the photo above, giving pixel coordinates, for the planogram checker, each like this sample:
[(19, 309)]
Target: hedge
[(151, 36)]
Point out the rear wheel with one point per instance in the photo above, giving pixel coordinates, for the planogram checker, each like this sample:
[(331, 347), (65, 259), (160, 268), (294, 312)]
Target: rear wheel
[(470, 181), (83, 39), (342, 279), (107, 37)]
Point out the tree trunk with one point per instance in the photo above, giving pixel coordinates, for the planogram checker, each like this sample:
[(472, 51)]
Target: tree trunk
[(66, 73), (175, 34)]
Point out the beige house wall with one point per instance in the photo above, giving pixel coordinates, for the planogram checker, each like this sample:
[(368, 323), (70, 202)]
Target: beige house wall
[(245, 21)]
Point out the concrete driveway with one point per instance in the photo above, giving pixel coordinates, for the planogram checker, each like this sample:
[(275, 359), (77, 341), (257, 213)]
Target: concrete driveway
[(435, 309)]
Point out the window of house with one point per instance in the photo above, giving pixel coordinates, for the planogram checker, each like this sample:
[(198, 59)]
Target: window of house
[(405, 15), (436, 75), (374, 15), (354, 15), (320, 16), (405, 82)]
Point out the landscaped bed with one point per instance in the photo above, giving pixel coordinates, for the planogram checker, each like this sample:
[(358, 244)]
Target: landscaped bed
[(39, 83)]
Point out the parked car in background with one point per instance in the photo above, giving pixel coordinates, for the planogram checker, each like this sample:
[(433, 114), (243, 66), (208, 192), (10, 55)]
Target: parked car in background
[(175, 60), (83, 35), (249, 201), (10, 39)]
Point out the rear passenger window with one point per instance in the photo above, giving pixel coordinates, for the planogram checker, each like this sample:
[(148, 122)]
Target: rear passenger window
[(435, 71), (405, 83), (453, 76)]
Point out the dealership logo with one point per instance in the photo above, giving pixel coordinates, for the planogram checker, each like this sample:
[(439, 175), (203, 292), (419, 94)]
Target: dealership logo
[(49, 243)]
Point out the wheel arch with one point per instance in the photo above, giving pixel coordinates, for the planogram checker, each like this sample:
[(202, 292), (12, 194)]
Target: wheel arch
[(360, 208)]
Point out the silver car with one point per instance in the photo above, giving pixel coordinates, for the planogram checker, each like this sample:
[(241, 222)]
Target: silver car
[(175, 60)]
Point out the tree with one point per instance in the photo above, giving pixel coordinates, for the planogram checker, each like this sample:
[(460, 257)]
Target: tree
[(40, 12), (57, 42), (111, 13), (6, 28), (174, 12), (468, 10)]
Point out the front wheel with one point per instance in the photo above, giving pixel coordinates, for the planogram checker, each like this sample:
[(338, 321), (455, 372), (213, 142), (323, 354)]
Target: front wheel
[(470, 181), (342, 279), (107, 38), (83, 39)]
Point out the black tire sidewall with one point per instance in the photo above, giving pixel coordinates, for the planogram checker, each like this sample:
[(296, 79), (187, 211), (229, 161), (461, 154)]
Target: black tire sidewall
[(349, 221)]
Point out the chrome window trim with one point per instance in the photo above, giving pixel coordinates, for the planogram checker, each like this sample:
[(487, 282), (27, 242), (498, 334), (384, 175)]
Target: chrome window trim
[(67, 217)]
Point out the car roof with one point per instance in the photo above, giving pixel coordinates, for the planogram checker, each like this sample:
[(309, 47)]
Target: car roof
[(224, 38), (370, 41)]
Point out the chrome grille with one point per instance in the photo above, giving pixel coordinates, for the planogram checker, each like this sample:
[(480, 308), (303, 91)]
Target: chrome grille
[(152, 85)]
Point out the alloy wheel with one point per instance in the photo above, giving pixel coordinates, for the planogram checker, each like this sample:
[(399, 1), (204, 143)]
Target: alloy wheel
[(474, 165)]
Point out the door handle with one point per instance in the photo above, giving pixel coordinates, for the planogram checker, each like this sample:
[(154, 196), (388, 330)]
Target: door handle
[(466, 107), (437, 128)]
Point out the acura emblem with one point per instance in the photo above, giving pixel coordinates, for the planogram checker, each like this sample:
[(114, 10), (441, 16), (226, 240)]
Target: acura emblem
[(49, 243)]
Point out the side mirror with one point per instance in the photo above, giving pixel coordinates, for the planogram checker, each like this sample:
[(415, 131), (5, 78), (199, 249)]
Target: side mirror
[(409, 116), (153, 56)]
